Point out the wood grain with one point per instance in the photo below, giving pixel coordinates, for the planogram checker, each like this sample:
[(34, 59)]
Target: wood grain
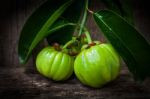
[(19, 84)]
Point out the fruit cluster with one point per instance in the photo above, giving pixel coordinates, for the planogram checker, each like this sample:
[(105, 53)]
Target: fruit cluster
[(95, 64)]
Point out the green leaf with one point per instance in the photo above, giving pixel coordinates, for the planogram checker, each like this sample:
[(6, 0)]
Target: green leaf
[(63, 31), (36, 27), (123, 8), (59, 25), (71, 15), (128, 11), (84, 18), (129, 43)]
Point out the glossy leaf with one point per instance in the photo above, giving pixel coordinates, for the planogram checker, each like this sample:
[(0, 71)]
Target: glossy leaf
[(36, 27), (123, 8), (84, 18), (58, 25), (128, 11), (129, 43), (63, 31), (71, 15)]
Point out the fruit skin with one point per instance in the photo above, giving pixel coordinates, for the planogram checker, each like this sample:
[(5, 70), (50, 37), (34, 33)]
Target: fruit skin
[(97, 65), (54, 64)]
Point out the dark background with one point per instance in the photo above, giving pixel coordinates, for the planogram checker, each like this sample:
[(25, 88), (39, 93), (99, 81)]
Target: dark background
[(23, 82)]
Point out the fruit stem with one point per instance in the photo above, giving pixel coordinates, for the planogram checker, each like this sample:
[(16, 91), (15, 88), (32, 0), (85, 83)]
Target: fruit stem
[(84, 18), (69, 43), (90, 11), (56, 46), (87, 35)]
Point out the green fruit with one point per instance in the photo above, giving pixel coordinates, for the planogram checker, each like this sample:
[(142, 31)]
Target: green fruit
[(97, 65), (54, 64)]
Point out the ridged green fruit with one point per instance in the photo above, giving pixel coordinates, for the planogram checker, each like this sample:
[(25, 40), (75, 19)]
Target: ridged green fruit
[(54, 64), (97, 65)]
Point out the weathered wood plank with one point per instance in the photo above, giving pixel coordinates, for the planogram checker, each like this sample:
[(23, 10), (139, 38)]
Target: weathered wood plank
[(19, 84)]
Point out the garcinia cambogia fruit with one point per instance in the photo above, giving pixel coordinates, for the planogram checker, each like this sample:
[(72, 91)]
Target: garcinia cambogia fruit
[(54, 64), (97, 65)]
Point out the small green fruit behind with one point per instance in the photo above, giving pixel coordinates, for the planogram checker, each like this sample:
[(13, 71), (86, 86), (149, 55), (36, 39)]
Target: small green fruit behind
[(97, 65), (54, 64)]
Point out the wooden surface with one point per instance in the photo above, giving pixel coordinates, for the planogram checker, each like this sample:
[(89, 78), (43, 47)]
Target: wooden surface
[(23, 82)]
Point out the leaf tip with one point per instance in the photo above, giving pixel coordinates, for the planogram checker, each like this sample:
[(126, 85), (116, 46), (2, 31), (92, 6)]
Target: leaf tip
[(21, 60)]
